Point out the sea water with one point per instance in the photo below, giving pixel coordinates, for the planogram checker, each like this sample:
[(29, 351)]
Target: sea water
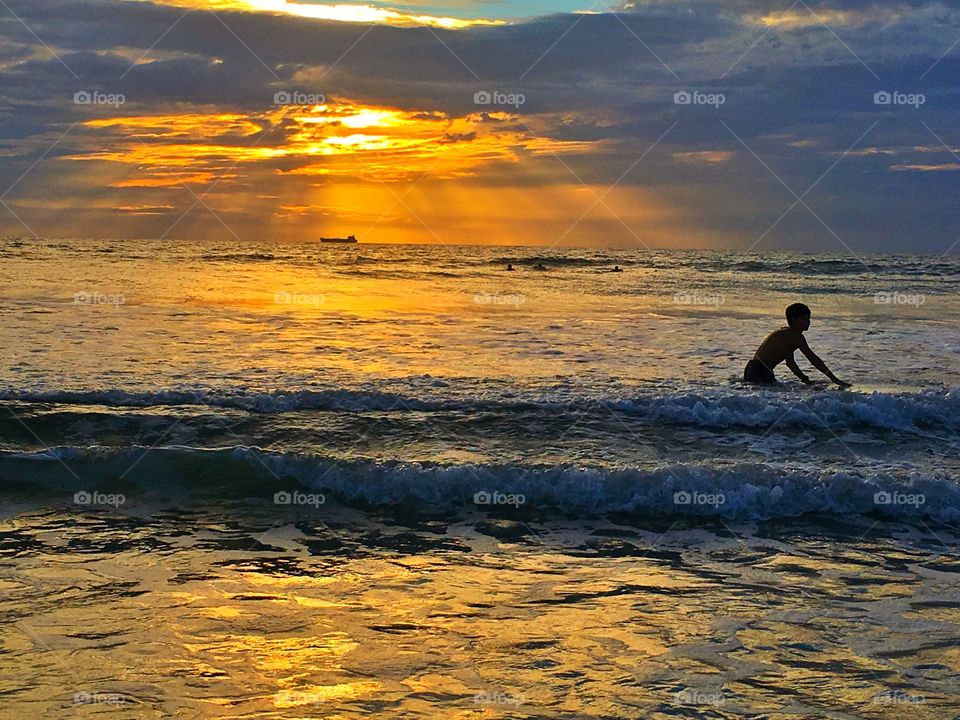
[(297, 480)]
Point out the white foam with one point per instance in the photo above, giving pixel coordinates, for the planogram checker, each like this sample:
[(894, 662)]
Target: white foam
[(750, 408), (748, 491)]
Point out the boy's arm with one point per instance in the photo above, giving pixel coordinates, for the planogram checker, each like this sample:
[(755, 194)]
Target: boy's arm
[(820, 364), (792, 364)]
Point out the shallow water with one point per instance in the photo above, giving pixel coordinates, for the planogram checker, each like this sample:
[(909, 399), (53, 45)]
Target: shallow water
[(229, 611)]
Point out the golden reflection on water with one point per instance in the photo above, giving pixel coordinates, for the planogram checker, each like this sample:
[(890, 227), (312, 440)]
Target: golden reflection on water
[(490, 628)]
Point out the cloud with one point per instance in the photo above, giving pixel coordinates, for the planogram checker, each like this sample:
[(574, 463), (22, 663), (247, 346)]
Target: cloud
[(342, 12), (598, 110), (943, 167), (697, 157)]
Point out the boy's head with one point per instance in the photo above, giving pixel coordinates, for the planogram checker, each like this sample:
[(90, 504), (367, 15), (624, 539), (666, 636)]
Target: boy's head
[(798, 317)]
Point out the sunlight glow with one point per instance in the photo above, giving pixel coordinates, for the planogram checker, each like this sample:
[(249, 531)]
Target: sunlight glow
[(794, 19), (345, 140), (339, 12)]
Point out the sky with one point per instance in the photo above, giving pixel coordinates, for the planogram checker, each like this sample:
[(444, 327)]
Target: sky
[(751, 125)]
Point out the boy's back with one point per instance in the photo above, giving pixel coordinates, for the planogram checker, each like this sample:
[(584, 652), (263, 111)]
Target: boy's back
[(778, 346)]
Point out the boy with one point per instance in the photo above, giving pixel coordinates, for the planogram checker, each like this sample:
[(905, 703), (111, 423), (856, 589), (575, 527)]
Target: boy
[(780, 346)]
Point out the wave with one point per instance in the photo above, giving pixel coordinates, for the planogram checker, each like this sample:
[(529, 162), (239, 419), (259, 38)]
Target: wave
[(246, 257), (932, 268), (746, 491), (922, 268), (930, 410), (556, 261), (810, 267)]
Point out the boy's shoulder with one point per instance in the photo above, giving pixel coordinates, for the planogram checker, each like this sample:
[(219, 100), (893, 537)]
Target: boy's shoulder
[(794, 335), (789, 334)]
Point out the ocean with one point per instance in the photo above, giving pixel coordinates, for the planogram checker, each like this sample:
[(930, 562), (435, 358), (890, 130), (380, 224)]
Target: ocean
[(295, 480)]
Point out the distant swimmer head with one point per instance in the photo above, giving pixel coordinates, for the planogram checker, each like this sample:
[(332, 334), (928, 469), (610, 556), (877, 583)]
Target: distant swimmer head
[(509, 266), (798, 317), (616, 268)]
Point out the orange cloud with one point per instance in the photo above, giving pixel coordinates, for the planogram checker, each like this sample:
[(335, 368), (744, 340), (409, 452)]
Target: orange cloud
[(343, 140)]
